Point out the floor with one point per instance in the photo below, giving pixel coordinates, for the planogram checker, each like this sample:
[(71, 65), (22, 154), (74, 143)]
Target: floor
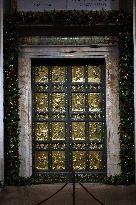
[(32, 195)]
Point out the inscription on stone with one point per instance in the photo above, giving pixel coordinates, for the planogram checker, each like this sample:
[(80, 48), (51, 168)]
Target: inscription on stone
[(47, 5), (88, 4)]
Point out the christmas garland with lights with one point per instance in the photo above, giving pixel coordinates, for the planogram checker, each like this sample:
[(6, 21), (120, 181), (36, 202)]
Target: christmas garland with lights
[(74, 18), (11, 90), (126, 129), (11, 104)]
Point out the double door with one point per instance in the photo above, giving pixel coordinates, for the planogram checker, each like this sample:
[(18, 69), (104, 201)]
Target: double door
[(68, 116)]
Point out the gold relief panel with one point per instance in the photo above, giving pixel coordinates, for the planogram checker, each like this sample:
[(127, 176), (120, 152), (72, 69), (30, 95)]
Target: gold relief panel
[(78, 102), (78, 74), (58, 160), (58, 116), (79, 160), (41, 102), (58, 74), (58, 102), (41, 74), (94, 116), (41, 130), (78, 116), (41, 146), (41, 160), (95, 159), (41, 88), (95, 130), (58, 146), (58, 87), (78, 130), (78, 88), (42, 116), (94, 102), (58, 131), (94, 74)]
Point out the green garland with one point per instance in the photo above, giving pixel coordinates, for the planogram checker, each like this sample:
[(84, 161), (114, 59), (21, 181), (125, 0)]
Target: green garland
[(126, 130), (89, 18), (11, 97)]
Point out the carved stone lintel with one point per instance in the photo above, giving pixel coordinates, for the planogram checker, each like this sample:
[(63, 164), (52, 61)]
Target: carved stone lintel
[(90, 41)]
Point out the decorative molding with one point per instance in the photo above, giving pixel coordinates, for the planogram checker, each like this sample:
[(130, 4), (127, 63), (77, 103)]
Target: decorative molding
[(94, 41)]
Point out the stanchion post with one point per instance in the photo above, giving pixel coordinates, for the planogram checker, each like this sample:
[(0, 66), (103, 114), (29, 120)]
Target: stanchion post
[(74, 192)]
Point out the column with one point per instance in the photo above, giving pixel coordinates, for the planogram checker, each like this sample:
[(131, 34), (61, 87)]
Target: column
[(1, 95)]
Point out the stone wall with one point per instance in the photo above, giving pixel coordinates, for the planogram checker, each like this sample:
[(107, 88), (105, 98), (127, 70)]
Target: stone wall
[(134, 37), (1, 94)]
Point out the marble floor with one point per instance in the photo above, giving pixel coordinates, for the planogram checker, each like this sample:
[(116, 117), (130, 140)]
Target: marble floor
[(32, 195)]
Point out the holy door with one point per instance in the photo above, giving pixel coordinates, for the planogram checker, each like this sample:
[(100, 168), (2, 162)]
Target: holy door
[(68, 116)]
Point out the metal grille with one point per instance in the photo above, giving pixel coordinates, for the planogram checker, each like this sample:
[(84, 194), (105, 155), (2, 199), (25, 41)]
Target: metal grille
[(68, 116)]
